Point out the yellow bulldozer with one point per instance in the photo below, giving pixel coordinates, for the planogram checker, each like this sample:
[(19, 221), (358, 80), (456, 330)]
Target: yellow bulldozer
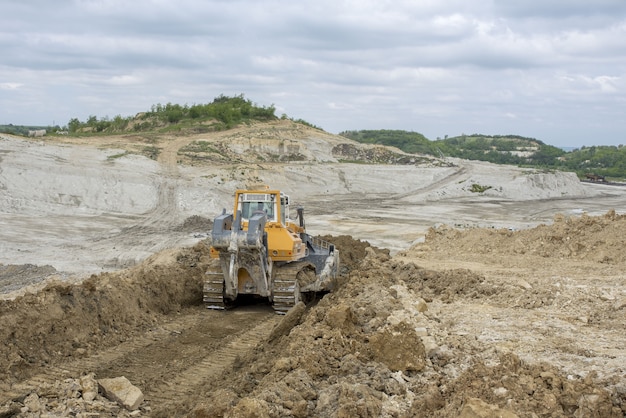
[(262, 252)]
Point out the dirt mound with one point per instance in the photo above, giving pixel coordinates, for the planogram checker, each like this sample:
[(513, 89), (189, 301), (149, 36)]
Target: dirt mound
[(400, 336), (512, 388), (351, 251), (64, 320), (593, 238), (375, 348), (197, 223)]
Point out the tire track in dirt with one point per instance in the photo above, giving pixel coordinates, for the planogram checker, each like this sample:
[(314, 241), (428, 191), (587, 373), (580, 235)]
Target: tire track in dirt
[(168, 362), (165, 212), (83, 366), (210, 367), (462, 171), (147, 235)]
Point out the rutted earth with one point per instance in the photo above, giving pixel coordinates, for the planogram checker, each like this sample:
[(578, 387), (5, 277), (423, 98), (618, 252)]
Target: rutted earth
[(510, 302)]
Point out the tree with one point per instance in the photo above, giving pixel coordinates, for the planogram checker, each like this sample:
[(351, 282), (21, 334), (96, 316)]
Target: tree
[(73, 125)]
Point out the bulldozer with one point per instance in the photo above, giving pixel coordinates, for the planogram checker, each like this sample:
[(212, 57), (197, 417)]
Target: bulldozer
[(259, 250)]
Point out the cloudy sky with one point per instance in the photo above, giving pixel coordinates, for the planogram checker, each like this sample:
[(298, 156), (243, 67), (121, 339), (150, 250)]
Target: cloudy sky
[(554, 70)]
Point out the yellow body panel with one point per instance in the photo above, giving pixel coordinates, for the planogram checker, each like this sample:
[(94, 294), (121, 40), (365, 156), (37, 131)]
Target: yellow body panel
[(283, 244)]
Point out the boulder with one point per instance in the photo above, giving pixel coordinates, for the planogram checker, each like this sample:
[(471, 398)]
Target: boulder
[(120, 390)]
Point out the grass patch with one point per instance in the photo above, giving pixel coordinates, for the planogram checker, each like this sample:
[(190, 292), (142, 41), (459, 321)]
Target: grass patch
[(477, 188), (116, 156), (199, 146), (151, 152)]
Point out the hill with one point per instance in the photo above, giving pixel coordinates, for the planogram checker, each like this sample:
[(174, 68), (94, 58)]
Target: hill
[(225, 113), (141, 180), (499, 149), (607, 161)]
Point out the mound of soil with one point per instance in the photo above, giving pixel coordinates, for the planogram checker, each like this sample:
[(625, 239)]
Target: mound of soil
[(468, 323), (403, 337), (64, 320), (594, 238), (374, 348)]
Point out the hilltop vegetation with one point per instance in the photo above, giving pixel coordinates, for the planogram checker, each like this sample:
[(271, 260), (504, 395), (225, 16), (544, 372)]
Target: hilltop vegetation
[(411, 142), (222, 113), (607, 161), (509, 149)]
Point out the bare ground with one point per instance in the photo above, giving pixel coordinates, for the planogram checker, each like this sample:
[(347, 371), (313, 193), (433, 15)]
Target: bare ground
[(499, 308)]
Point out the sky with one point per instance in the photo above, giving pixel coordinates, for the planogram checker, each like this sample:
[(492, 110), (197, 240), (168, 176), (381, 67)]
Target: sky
[(554, 70)]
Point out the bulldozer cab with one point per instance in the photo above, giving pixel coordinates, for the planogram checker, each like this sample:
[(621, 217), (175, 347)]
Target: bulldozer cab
[(274, 204)]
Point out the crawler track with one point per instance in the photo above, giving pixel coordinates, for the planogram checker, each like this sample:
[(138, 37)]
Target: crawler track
[(286, 288), (213, 290)]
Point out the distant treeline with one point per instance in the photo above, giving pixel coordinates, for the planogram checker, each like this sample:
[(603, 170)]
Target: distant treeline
[(23, 130), (607, 161)]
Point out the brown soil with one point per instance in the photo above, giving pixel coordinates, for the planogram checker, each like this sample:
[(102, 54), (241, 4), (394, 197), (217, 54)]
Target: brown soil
[(470, 323), (474, 322)]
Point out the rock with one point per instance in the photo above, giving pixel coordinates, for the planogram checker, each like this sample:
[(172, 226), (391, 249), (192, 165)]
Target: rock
[(595, 403), (290, 320), (9, 410), (32, 403), (500, 392), (123, 392), (80, 352), (89, 387), (606, 297), (399, 348), (430, 346), (348, 400), (421, 331), (340, 317), (476, 408), (619, 304), (420, 305)]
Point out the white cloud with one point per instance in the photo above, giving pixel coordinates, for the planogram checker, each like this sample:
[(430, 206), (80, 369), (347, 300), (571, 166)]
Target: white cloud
[(125, 80), (10, 86), (552, 70)]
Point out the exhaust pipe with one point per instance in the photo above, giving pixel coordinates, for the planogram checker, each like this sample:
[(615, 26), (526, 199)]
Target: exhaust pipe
[(300, 212)]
